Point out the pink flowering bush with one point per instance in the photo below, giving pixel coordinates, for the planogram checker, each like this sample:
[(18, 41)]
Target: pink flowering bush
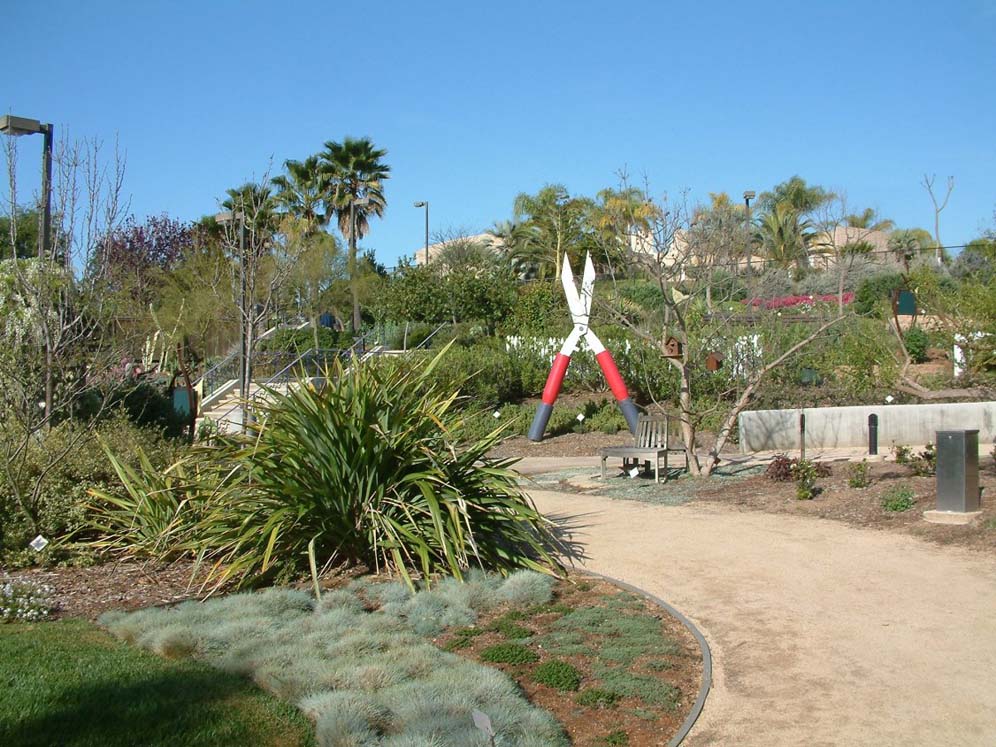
[(782, 302)]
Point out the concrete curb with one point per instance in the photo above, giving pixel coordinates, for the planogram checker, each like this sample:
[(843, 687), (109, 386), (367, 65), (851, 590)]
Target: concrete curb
[(704, 688)]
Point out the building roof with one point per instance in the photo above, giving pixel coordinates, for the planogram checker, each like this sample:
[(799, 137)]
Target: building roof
[(435, 250), (841, 236)]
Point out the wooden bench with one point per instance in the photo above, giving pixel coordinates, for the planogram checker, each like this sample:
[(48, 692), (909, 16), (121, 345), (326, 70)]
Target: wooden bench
[(650, 443)]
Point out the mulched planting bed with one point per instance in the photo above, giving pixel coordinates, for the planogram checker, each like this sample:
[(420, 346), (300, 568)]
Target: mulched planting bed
[(613, 667), (90, 591), (862, 507)]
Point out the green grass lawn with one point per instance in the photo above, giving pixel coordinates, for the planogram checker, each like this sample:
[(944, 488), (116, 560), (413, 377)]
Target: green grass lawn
[(70, 683)]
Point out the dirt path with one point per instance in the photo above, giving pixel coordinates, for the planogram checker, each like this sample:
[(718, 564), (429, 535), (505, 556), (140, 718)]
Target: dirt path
[(822, 634)]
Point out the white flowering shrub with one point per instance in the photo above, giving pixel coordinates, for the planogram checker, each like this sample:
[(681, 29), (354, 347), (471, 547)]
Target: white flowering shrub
[(24, 600)]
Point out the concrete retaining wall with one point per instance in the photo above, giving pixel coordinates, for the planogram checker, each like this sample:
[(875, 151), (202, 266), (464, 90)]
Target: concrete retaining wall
[(828, 427)]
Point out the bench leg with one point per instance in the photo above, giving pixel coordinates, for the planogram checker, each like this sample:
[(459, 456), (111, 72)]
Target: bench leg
[(657, 470), (603, 467), (666, 471)]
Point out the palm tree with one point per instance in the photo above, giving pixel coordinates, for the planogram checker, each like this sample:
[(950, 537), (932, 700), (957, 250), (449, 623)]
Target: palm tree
[(623, 217), (561, 223), (301, 192), (869, 220), (255, 201), (354, 191), (796, 194), (784, 236), (520, 241)]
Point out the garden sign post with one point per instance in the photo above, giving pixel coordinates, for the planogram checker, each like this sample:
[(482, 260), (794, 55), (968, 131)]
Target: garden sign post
[(580, 306)]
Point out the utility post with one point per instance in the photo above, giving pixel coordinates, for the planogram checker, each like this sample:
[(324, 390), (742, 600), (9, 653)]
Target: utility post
[(425, 204), (748, 196), (10, 125)]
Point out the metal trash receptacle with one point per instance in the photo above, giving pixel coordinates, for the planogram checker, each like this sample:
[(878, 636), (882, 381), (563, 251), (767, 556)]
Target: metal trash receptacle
[(958, 470)]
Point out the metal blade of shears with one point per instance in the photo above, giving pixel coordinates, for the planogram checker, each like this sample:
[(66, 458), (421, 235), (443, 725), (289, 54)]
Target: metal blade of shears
[(579, 313), (587, 285)]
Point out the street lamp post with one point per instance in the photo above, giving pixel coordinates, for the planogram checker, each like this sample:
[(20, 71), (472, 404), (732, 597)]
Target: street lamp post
[(10, 125), (748, 196), (425, 204)]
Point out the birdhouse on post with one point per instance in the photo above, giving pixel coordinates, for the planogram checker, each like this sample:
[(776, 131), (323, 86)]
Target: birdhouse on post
[(714, 361), (672, 348)]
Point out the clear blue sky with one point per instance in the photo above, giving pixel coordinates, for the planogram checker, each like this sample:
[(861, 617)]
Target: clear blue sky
[(476, 102)]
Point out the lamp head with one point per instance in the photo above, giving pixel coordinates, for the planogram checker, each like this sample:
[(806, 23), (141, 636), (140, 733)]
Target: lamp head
[(421, 203), (10, 125)]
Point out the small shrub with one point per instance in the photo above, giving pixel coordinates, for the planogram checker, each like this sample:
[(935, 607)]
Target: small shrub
[(916, 342), (858, 475), (780, 468), (902, 454), (462, 638), (924, 464), (597, 697), (898, 498), (509, 653), (603, 417), (651, 690), (24, 601), (558, 608), (659, 665), (558, 674), (617, 737), (805, 474), (510, 629), (526, 587), (53, 475)]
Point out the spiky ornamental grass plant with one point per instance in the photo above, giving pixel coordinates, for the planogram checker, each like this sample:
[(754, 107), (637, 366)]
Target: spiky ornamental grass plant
[(370, 468), (366, 678)]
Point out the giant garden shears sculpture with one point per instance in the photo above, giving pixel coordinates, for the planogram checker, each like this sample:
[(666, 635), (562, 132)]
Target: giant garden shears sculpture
[(580, 306)]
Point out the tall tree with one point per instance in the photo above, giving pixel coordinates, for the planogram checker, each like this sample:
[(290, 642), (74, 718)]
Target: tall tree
[(301, 192), (784, 235), (869, 219), (19, 234), (355, 175), (561, 222), (717, 236), (939, 205), (314, 270), (622, 219), (796, 194), (255, 201), (520, 241)]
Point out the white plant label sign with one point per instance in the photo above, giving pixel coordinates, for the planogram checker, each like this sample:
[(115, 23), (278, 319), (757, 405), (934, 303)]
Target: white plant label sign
[(482, 722), (39, 543)]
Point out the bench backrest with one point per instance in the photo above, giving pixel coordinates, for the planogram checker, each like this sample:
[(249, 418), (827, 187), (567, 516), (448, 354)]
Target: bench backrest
[(651, 432)]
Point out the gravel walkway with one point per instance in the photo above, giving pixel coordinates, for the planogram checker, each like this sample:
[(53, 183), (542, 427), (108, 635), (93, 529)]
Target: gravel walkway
[(822, 634)]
